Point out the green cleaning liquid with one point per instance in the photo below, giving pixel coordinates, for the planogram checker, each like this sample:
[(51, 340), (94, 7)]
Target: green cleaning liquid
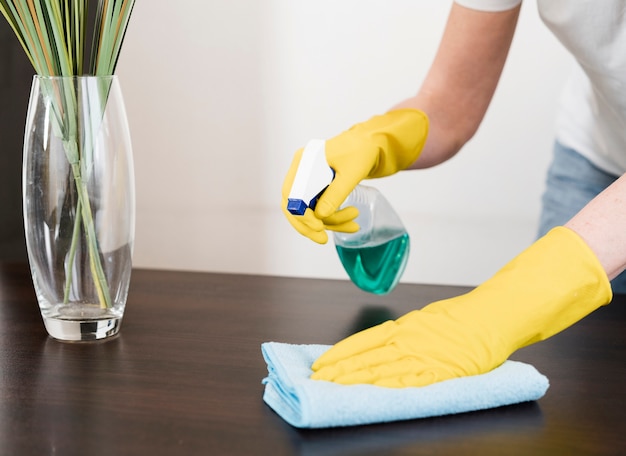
[(376, 267)]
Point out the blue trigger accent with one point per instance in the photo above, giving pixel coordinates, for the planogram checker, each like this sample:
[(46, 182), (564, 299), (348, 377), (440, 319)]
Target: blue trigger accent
[(296, 206)]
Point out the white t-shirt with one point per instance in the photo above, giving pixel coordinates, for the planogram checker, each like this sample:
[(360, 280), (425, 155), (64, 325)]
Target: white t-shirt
[(592, 111)]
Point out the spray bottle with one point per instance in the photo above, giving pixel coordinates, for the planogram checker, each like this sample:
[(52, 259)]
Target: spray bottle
[(375, 256)]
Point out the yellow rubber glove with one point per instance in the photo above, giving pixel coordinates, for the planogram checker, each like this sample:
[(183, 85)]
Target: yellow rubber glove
[(378, 147), (551, 285), (308, 224)]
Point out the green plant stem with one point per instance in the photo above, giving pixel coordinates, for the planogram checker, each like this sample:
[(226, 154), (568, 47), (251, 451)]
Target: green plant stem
[(83, 211), (69, 273), (95, 264)]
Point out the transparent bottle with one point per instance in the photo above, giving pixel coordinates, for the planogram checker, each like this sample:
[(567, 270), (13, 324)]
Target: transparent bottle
[(375, 256)]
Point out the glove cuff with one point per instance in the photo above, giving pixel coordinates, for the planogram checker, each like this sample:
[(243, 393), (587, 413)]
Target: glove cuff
[(559, 281), (551, 285), (399, 137)]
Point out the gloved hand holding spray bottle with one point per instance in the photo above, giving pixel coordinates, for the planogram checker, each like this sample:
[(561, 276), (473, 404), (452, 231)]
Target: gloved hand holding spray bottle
[(322, 192), (376, 255)]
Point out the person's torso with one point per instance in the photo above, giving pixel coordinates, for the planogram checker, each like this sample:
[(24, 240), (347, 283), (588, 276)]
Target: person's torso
[(592, 110), (592, 116)]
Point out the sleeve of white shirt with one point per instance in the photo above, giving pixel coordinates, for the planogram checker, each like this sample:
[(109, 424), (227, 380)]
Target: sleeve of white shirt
[(489, 5)]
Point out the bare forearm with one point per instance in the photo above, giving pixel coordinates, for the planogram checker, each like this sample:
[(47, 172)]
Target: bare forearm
[(602, 224), (462, 79)]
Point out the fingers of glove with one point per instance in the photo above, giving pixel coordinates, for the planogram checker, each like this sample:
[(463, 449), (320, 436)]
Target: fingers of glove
[(401, 373), (411, 379), (358, 368), (361, 342), (308, 225), (349, 227), (334, 195), (307, 220), (319, 237), (343, 220), (310, 220), (342, 216)]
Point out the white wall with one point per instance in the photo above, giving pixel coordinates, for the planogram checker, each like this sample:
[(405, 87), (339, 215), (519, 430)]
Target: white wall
[(221, 93)]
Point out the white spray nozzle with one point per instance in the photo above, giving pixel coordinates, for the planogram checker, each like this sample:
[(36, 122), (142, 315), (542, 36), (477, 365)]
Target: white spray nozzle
[(312, 178)]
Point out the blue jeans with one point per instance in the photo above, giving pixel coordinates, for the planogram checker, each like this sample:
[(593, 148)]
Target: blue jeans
[(572, 182)]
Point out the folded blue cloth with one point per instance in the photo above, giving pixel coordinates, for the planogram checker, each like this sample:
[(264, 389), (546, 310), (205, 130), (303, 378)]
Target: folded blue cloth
[(306, 403)]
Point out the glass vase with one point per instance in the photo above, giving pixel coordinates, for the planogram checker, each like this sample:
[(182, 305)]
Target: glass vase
[(79, 204)]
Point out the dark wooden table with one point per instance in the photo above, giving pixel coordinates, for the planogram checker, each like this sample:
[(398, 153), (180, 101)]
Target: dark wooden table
[(184, 376)]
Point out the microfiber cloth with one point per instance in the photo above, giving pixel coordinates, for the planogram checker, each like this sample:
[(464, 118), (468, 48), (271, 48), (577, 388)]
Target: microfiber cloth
[(306, 403)]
